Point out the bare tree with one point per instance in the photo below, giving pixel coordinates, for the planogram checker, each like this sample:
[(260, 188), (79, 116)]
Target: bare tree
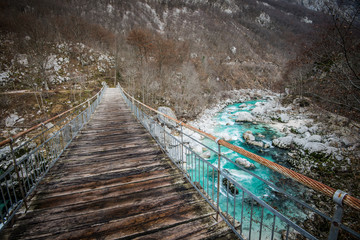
[(328, 70)]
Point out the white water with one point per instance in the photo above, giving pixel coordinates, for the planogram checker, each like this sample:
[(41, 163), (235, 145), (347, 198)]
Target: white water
[(223, 125)]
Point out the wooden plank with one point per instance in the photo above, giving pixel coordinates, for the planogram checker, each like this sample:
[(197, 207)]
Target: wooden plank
[(132, 203), (117, 191), (51, 185), (112, 224), (158, 181)]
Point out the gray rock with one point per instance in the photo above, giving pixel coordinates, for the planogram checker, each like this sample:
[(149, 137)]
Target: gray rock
[(244, 117), (314, 138), (315, 147), (245, 163), (283, 142), (250, 139), (284, 118), (314, 129), (14, 131), (300, 142), (5, 150), (302, 129), (248, 136), (256, 143), (11, 120), (306, 135), (168, 111), (260, 135)]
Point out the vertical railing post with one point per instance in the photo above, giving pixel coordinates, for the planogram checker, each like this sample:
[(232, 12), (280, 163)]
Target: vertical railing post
[(336, 221), (43, 128), (182, 146), (218, 180), (43, 132), (132, 104), (20, 180), (137, 112), (88, 112)]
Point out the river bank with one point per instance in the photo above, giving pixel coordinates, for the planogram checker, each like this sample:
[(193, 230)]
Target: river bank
[(320, 143)]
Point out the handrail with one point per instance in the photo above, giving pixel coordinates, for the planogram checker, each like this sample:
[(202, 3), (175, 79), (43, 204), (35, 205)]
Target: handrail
[(16, 136), (21, 177), (313, 184)]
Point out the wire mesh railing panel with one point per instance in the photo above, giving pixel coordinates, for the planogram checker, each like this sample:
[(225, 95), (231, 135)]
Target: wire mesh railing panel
[(23, 167)]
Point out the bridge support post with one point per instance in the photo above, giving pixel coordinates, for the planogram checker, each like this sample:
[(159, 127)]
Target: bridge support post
[(182, 147), (218, 181), (335, 224)]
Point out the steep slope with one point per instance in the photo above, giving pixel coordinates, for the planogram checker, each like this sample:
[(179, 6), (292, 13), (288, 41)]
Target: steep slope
[(214, 45), (228, 44)]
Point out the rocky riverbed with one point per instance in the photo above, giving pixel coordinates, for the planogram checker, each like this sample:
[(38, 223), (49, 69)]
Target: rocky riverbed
[(318, 144)]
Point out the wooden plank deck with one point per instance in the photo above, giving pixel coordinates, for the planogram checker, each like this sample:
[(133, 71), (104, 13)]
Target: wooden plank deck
[(115, 183)]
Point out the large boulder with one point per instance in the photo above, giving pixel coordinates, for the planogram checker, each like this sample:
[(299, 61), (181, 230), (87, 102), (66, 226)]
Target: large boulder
[(11, 120), (283, 142), (314, 138), (315, 147), (300, 142), (250, 139), (248, 136), (302, 129), (244, 117), (256, 143), (284, 118), (245, 163), (169, 112)]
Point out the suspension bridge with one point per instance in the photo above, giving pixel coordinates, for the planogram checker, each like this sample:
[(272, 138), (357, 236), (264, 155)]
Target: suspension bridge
[(114, 172)]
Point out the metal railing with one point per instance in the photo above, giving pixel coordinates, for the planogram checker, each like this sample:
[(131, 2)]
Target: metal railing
[(25, 163), (249, 216)]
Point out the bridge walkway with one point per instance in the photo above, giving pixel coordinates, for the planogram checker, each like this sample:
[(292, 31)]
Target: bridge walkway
[(114, 182)]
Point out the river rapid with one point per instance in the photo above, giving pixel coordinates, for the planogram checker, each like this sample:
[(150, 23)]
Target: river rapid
[(223, 124)]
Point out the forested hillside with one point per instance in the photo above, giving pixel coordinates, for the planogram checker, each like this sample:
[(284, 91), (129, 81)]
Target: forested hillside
[(186, 54)]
